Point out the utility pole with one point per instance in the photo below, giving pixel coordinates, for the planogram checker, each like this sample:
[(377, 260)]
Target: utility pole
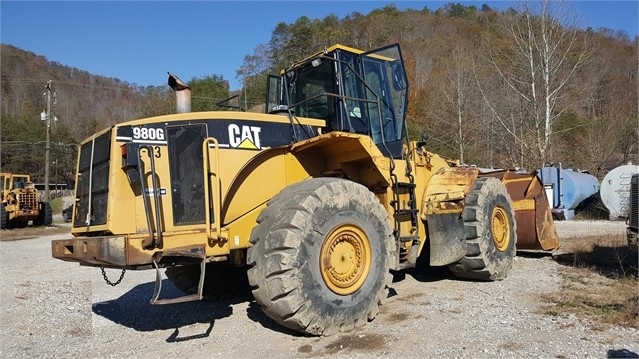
[(47, 149)]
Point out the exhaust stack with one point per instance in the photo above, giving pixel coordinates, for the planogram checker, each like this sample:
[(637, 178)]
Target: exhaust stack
[(182, 94)]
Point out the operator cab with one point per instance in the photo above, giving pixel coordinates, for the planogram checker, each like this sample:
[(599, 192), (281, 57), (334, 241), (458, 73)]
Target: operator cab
[(354, 91)]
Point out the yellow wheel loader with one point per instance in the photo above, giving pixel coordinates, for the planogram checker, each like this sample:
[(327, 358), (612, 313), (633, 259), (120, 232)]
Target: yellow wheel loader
[(314, 202), (21, 203)]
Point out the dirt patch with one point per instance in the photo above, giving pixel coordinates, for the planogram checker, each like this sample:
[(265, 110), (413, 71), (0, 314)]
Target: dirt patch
[(545, 308), (17, 234), (599, 281)]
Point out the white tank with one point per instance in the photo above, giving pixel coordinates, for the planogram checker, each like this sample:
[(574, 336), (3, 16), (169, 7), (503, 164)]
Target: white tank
[(615, 190)]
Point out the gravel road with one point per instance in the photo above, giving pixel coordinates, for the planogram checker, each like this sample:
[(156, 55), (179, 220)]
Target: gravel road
[(56, 309)]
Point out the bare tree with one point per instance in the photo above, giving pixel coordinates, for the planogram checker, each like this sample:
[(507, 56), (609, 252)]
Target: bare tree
[(538, 62), (458, 96)]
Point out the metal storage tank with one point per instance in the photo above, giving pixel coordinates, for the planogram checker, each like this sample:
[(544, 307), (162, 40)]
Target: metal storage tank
[(615, 190), (632, 229), (566, 188)]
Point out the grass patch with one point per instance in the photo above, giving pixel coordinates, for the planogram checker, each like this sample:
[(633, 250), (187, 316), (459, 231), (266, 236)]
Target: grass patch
[(56, 205), (599, 282)]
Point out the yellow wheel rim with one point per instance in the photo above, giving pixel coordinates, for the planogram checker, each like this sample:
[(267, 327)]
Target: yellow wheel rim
[(500, 229), (345, 259)]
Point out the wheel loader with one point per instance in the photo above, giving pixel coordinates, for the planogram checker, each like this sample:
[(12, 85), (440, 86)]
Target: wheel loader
[(316, 202), (21, 202)]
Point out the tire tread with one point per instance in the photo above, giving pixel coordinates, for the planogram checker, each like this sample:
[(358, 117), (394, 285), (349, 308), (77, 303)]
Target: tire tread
[(275, 281)]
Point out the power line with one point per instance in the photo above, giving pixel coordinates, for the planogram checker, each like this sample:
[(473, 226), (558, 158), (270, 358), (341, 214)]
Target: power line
[(77, 84)]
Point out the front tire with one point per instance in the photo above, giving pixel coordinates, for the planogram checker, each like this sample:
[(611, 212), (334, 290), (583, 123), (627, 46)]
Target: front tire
[(489, 224), (45, 215), (321, 256)]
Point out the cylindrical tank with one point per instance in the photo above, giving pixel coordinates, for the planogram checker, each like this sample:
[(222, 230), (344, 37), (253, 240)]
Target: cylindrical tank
[(615, 190), (569, 187)]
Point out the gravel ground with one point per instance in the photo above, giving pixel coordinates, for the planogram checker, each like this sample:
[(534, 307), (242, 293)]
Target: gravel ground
[(56, 309)]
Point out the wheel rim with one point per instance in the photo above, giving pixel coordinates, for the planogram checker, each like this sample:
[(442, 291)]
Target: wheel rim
[(500, 229), (345, 259)]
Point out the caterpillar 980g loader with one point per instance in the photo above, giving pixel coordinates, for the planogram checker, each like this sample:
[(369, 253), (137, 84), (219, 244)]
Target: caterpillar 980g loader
[(315, 201)]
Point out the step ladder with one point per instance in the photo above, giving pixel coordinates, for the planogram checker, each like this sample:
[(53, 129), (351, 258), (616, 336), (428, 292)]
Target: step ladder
[(197, 252), (406, 211)]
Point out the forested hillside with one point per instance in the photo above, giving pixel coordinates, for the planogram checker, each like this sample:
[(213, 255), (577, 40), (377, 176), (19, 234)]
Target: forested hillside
[(82, 105), (505, 89)]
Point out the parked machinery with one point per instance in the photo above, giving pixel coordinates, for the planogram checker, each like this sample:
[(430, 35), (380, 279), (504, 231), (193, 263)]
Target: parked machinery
[(21, 203), (316, 201)]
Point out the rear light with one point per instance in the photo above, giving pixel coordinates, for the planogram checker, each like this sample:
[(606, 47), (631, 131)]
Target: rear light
[(128, 162)]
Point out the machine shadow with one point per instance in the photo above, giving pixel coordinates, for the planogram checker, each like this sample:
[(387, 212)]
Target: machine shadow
[(134, 311), (534, 254), (423, 272), (256, 314), (621, 353)]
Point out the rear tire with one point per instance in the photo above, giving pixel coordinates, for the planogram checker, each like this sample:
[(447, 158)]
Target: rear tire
[(321, 256), (489, 224), (67, 213), (3, 217)]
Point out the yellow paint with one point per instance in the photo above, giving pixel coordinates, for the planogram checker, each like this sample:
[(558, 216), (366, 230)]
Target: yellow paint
[(524, 204), (345, 259), (247, 144), (500, 229), (241, 182)]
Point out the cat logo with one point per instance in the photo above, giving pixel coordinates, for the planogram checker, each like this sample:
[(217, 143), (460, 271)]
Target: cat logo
[(246, 137)]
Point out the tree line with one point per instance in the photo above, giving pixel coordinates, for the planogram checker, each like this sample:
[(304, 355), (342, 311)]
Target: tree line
[(517, 88)]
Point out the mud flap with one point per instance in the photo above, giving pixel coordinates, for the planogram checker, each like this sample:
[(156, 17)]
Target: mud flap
[(447, 238), (535, 226)]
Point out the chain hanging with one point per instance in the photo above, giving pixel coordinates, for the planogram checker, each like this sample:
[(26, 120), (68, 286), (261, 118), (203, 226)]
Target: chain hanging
[(107, 279)]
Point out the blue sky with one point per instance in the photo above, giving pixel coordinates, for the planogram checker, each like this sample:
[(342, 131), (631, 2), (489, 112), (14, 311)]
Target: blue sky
[(138, 42)]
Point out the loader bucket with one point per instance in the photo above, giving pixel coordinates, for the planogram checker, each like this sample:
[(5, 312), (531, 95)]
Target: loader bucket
[(535, 226)]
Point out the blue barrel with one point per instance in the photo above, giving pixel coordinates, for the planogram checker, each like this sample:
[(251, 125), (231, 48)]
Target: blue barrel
[(569, 187)]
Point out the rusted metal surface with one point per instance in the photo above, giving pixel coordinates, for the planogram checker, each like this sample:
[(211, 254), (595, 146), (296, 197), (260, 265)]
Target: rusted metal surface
[(182, 94), (535, 226), (104, 251), (546, 233), (194, 251), (109, 251), (446, 191)]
